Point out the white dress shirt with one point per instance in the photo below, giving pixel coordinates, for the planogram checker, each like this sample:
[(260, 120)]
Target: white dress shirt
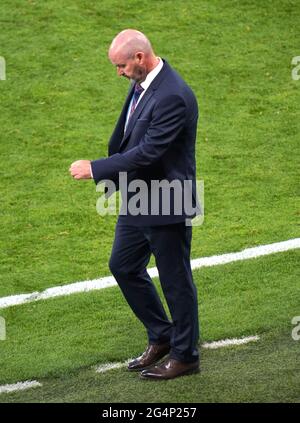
[(149, 78)]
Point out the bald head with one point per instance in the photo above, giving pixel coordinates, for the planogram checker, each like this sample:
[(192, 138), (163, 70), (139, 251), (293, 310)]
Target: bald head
[(132, 54), (129, 42)]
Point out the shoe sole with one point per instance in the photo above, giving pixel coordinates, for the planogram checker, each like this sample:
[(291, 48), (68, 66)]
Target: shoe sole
[(186, 373)]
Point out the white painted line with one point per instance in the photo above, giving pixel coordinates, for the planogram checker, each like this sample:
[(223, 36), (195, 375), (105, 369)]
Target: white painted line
[(229, 342), (20, 386), (248, 253), (58, 291), (208, 345), (108, 281), (110, 366)]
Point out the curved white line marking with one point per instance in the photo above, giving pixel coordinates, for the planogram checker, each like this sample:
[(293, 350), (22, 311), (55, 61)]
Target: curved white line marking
[(108, 281)]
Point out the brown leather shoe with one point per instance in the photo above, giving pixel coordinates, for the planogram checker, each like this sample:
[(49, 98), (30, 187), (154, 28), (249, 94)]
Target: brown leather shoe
[(169, 369), (151, 356)]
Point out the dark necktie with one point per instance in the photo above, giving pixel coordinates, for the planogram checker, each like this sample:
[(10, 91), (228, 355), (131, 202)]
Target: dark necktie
[(138, 89)]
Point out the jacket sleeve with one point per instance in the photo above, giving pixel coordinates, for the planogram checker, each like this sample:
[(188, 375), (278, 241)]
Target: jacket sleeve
[(168, 119)]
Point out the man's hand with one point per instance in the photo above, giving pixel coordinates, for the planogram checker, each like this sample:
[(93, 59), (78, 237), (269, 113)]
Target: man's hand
[(81, 169)]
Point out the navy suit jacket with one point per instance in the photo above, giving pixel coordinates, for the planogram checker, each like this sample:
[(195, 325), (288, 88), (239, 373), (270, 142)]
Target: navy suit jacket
[(158, 144)]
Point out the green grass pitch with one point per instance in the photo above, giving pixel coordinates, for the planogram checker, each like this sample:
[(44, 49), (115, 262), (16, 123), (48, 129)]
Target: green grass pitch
[(59, 103)]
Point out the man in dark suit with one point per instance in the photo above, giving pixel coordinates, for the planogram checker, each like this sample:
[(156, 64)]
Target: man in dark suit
[(154, 141)]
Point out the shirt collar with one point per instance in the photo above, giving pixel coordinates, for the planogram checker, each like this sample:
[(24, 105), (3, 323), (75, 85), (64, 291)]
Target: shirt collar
[(151, 75)]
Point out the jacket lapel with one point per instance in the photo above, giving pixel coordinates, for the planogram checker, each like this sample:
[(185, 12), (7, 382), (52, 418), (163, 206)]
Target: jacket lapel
[(118, 134), (144, 100)]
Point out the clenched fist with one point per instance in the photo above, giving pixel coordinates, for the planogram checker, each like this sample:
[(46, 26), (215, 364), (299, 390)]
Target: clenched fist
[(81, 169)]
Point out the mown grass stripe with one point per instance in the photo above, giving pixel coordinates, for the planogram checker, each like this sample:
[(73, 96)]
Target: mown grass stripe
[(108, 281), (208, 345), (21, 386)]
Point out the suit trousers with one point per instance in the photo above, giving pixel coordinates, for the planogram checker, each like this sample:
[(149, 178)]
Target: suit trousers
[(170, 245)]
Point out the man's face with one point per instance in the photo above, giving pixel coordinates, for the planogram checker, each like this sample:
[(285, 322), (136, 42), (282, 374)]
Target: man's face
[(131, 68)]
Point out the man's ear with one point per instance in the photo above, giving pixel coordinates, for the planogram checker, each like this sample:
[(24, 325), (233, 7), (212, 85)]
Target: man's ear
[(140, 56)]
